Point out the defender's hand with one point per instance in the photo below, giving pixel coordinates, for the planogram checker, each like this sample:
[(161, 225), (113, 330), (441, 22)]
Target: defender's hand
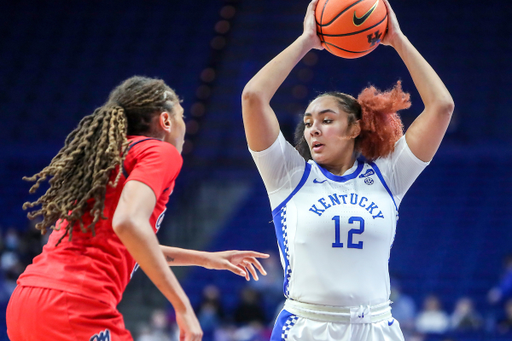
[(239, 262)]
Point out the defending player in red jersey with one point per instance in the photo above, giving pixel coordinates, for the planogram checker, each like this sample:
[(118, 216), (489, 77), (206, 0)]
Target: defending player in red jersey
[(108, 190)]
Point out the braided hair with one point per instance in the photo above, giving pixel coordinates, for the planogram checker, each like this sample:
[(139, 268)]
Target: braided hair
[(380, 124), (81, 170)]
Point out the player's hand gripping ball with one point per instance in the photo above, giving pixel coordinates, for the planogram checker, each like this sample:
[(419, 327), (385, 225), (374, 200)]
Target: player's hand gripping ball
[(351, 28)]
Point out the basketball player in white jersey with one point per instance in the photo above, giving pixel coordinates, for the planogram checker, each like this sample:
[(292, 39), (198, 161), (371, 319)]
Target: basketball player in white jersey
[(335, 197)]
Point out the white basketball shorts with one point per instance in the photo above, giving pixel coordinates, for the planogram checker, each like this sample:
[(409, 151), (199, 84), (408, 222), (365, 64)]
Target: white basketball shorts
[(306, 322)]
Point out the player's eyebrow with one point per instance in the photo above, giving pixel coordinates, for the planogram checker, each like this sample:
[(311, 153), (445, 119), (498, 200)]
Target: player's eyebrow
[(321, 112)]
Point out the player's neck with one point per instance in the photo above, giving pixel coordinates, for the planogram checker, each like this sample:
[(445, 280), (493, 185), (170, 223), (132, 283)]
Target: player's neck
[(341, 167)]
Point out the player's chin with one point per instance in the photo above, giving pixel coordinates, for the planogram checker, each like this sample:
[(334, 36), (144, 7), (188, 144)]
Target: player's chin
[(317, 157)]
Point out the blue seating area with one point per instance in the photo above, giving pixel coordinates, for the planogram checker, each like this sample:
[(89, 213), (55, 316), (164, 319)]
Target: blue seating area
[(59, 60), (61, 63)]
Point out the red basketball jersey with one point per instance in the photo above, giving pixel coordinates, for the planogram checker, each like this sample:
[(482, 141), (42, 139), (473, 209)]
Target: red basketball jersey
[(100, 266)]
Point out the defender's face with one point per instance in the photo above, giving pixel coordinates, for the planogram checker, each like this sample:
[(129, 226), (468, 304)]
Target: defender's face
[(176, 136), (327, 131)]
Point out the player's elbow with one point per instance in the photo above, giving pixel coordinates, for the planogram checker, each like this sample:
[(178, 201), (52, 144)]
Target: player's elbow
[(447, 107), (444, 107), (252, 97), (450, 107), (122, 223)]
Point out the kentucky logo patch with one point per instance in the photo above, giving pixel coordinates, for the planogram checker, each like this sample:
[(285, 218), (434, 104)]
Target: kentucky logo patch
[(101, 336)]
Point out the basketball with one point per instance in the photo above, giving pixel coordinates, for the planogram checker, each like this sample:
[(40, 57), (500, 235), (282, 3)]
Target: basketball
[(351, 28)]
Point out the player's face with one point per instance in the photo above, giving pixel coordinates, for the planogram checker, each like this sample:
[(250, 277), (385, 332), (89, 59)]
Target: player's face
[(327, 131), (176, 135)]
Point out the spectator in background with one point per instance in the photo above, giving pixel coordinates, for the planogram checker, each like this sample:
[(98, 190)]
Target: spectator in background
[(403, 308), (270, 286), (16, 252), (499, 294), (464, 317), (11, 240), (505, 324), (249, 310), (10, 260), (32, 243), (158, 330), (503, 290), (432, 319), (210, 312)]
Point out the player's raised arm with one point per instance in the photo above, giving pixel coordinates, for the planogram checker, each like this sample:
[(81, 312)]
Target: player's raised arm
[(426, 132), (260, 121)]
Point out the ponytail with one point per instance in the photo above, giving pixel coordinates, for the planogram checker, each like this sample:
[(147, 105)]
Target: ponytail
[(380, 124)]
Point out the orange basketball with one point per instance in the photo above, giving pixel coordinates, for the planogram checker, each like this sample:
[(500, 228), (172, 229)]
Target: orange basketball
[(351, 28)]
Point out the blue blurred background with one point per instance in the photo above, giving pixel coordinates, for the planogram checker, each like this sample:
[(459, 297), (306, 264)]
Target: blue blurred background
[(59, 59)]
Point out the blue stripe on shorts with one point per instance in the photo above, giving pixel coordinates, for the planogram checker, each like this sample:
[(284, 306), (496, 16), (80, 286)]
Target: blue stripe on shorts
[(285, 321)]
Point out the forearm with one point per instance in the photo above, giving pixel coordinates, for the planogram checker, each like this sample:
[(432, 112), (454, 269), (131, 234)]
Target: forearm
[(183, 257), (143, 245), (266, 82), (260, 121), (431, 88)]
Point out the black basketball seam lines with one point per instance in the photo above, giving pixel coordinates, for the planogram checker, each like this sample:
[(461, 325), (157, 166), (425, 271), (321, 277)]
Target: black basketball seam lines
[(320, 26), (352, 51), (346, 9), (352, 33)]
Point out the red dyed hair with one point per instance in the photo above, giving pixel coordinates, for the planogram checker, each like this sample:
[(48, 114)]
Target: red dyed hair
[(380, 124)]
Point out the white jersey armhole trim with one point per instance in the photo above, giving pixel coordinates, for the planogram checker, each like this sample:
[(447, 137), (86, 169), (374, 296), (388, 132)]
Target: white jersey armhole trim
[(281, 168), (305, 176)]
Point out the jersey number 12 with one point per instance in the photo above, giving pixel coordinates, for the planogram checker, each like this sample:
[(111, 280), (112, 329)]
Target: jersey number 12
[(337, 232)]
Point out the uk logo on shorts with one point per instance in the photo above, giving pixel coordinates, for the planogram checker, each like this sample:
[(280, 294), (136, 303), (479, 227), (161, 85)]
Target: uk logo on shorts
[(101, 336)]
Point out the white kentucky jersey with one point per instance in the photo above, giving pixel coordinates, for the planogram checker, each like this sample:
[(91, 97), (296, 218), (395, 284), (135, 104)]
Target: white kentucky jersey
[(335, 232)]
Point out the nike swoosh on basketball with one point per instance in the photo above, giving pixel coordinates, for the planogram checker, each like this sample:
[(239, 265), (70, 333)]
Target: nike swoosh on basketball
[(359, 21), (390, 323), (318, 182)]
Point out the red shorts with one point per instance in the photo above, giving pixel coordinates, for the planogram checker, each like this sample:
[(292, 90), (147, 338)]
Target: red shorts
[(41, 314)]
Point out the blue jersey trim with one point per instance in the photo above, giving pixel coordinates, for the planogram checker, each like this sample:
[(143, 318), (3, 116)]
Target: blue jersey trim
[(125, 173), (342, 178), (379, 174), (305, 176), (281, 235), (279, 217)]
